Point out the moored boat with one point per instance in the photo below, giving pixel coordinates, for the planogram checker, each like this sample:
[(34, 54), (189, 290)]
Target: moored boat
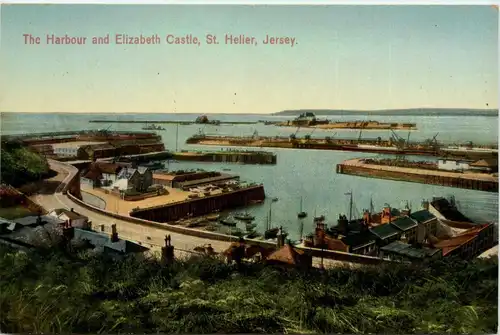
[(244, 216), (152, 127), (229, 221), (301, 214), (213, 217)]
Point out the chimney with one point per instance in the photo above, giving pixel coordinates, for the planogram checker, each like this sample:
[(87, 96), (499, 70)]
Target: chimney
[(68, 231), (367, 216), (167, 252), (280, 238), (343, 224), (114, 234)]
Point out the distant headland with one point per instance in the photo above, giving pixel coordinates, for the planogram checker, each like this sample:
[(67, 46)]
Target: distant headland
[(396, 112)]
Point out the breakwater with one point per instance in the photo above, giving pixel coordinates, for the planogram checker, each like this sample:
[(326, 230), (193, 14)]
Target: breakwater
[(236, 156), (471, 181), (373, 145), (171, 122)]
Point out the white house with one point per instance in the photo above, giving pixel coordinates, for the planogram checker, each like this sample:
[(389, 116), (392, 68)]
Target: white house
[(453, 165), (75, 219)]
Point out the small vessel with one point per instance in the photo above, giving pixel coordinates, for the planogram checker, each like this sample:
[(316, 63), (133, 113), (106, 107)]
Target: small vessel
[(253, 234), (244, 216), (271, 233), (275, 199), (213, 217), (229, 221), (153, 165), (197, 223), (211, 228), (319, 218), (251, 226), (237, 232), (301, 213), (226, 169), (152, 127)]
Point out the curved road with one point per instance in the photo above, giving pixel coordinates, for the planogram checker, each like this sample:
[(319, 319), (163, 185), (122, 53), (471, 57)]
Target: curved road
[(148, 236), (151, 237)]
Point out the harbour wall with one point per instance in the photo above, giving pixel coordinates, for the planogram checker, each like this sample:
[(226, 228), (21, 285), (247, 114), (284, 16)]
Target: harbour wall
[(201, 206), (72, 184), (434, 178), (227, 157)]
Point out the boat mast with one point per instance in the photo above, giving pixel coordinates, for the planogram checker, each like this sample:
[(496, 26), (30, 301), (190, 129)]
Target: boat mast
[(300, 204), (176, 136), (350, 206), (371, 205), (269, 217)]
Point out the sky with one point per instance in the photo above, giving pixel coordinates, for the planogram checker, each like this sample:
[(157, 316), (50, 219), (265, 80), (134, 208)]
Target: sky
[(345, 57)]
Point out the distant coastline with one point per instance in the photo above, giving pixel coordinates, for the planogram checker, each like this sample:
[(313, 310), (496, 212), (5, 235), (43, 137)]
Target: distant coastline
[(323, 112), (396, 112)]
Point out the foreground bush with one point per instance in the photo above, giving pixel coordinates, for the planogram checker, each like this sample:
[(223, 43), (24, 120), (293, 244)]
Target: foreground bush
[(20, 165), (54, 292)]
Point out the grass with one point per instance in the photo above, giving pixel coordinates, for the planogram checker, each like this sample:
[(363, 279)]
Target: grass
[(56, 292), (11, 213)]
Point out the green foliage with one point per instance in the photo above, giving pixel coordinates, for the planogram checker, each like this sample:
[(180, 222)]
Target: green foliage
[(20, 165), (55, 292)]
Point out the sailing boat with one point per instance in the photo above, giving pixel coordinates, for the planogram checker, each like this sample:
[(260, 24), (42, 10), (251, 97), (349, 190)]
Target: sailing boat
[(270, 233), (301, 214)]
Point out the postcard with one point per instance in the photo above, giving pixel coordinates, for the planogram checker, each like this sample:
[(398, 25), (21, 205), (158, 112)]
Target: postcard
[(249, 168)]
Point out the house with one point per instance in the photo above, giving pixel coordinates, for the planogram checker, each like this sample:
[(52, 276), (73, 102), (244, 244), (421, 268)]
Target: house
[(361, 243), (386, 233), (289, 256), (92, 177), (35, 220), (8, 226), (138, 180), (485, 165), (101, 174), (453, 165), (95, 151), (426, 220), (74, 219), (101, 242), (398, 250), (408, 226)]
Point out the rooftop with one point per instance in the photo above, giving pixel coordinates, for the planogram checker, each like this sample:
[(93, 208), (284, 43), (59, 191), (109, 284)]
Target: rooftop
[(405, 223), (385, 231), (70, 214), (103, 240), (287, 254), (408, 250), (356, 241), (93, 174), (491, 162), (108, 168), (422, 216), (32, 220)]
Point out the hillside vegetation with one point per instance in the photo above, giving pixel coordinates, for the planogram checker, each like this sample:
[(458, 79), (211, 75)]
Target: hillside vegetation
[(55, 292), (20, 165)]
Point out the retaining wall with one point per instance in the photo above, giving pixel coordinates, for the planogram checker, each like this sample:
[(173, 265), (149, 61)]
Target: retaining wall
[(201, 206)]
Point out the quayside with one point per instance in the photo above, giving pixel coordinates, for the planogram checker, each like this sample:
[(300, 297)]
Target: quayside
[(374, 145)]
